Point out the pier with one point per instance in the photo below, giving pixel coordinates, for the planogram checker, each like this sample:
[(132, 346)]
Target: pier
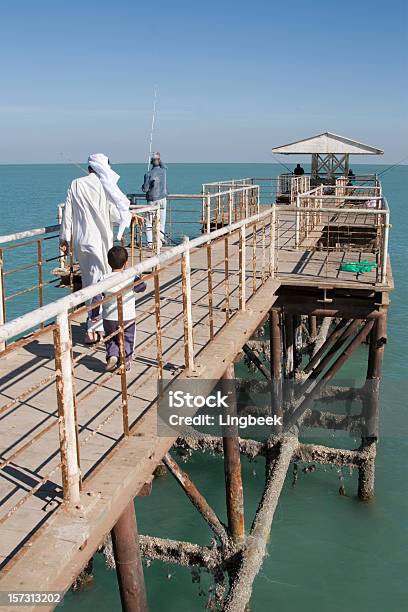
[(80, 444)]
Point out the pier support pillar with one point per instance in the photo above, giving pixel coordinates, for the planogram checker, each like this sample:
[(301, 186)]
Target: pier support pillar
[(232, 469), (298, 343), (288, 360), (371, 404), (129, 571), (312, 327), (275, 341)]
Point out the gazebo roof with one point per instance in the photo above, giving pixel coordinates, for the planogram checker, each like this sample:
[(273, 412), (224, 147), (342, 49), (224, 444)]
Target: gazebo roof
[(327, 143)]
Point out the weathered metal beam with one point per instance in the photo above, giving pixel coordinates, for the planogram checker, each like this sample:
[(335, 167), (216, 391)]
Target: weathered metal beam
[(344, 333), (327, 342), (278, 461), (66, 411), (197, 499), (232, 467), (316, 453), (252, 356), (371, 400), (308, 397), (129, 571), (176, 551), (275, 346)]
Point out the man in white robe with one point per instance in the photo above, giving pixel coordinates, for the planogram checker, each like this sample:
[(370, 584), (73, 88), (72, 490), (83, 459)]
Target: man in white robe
[(93, 204)]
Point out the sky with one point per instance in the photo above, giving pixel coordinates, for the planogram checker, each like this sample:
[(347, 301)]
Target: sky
[(234, 79)]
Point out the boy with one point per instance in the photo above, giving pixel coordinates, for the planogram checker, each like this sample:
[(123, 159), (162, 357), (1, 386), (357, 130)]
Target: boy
[(117, 259)]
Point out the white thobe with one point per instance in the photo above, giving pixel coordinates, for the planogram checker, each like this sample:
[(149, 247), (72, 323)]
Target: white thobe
[(87, 220)]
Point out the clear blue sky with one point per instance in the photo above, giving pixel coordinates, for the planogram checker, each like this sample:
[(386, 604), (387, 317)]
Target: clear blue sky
[(234, 78)]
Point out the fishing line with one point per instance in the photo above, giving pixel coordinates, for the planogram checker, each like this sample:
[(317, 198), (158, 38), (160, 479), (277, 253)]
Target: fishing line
[(393, 166), (152, 127), (68, 159), (283, 165)]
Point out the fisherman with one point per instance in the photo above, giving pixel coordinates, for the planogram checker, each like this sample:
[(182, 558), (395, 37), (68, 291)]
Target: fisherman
[(94, 202), (155, 188), (351, 176), (298, 171)]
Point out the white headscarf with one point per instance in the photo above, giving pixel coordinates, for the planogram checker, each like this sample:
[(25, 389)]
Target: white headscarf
[(100, 164)]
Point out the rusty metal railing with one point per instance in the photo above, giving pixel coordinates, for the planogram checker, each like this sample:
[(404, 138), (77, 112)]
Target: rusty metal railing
[(18, 247), (334, 230), (249, 242)]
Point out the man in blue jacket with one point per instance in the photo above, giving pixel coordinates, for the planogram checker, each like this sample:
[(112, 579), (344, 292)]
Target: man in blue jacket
[(155, 188)]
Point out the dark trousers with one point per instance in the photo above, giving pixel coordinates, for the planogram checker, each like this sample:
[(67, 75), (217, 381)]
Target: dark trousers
[(112, 345)]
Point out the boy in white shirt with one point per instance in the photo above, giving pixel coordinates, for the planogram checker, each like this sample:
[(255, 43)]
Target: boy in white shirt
[(117, 259)]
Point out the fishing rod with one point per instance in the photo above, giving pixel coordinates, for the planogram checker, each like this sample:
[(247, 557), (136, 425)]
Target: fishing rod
[(68, 159), (394, 165), (166, 236), (152, 128), (282, 164)]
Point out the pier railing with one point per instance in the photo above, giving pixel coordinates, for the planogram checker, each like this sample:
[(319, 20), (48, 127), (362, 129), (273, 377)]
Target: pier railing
[(31, 262), (27, 256), (359, 222), (267, 187), (249, 242), (289, 186)]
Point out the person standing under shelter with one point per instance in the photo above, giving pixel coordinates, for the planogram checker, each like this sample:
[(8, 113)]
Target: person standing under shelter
[(155, 188), (94, 202), (298, 171)]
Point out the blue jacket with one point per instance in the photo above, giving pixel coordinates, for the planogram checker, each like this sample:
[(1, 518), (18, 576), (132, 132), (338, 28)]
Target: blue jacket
[(155, 183)]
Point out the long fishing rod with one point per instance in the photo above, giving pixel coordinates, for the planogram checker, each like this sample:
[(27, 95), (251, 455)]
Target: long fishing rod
[(152, 128), (393, 166), (68, 159), (282, 164), (166, 236)]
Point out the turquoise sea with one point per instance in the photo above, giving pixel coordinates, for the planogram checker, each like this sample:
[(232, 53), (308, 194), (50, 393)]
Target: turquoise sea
[(326, 552)]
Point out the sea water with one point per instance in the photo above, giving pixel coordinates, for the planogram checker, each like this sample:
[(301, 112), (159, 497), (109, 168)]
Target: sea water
[(326, 552)]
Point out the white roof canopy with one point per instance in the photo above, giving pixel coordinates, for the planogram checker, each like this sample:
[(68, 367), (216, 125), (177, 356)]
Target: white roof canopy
[(327, 143)]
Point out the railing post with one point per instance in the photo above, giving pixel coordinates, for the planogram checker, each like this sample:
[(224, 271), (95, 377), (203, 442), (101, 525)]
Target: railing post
[(66, 410), (40, 273), (187, 308), (2, 299), (385, 248), (226, 278), (157, 231), (122, 365), (242, 268), (272, 242), (230, 207), (297, 230), (263, 255), (210, 290), (254, 258), (62, 258), (132, 241), (208, 213), (158, 322)]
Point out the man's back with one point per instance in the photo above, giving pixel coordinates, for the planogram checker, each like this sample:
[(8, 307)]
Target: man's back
[(88, 191), (87, 215), (155, 183)]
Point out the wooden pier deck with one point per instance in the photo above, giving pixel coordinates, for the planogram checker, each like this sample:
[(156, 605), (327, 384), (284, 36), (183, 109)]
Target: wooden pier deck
[(37, 534)]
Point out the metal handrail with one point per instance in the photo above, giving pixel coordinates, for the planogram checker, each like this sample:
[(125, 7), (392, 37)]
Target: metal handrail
[(50, 311)]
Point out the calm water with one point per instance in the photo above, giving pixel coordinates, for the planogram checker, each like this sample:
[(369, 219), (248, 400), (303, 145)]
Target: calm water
[(326, 552)]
